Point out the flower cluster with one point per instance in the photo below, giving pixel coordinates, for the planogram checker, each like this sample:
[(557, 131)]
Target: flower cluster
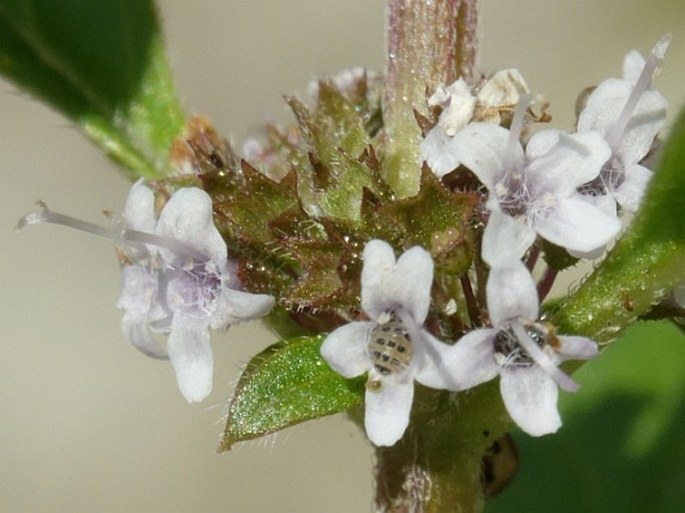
[(560, 187), (313, 211)]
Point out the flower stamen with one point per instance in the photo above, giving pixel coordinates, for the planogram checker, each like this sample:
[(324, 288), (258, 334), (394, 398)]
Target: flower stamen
[(543, 360), (45, 215), (643, 83)]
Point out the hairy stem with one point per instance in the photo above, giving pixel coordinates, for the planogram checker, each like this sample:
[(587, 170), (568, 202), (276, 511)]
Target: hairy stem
[(437, 466), (429, 42)]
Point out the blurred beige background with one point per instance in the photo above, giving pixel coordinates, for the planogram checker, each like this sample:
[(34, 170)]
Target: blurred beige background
[(90, 425)]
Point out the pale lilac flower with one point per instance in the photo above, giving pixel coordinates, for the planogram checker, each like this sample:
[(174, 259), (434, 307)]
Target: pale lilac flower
[(629, 115), (525, 353), (392, 346), (188, 288), (535, 191), (176, 280)]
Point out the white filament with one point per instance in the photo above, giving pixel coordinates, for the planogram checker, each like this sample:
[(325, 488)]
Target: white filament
[(45, 215), (644, 82), (562, 379)]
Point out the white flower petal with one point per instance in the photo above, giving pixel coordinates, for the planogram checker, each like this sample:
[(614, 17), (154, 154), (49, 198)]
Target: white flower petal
[(511, 293), (633, 64), (237, 306), (604, 106), (410, 282), (346, 349), (630, 192), (431, 365), (138, 292), (379, 261), (575, 348), (389, 284), (644, 125), (482, 147), (471, 359), (188, 218), (191, 356), (577, 225), (435, 151), (142, 338), (139, 335), (505, 239), (605, 202), (530, 397), (559, 163), (387, 410), (139, 209)]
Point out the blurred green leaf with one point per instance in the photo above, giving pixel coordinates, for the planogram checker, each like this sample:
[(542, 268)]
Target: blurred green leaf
[(286, 384), (621, 447), (101, 64)]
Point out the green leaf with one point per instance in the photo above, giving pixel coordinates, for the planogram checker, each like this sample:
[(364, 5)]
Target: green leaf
[(621, 448), (101, 64), (645, 265), (286, 384)]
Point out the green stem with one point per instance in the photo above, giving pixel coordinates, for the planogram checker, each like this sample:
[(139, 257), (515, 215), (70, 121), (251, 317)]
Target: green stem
[(436, 467), (429, 42)]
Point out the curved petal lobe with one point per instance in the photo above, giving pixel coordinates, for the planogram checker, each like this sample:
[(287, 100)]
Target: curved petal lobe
[(387, 411), (530, 397), (345, 349), (511, 293), (191, 356)]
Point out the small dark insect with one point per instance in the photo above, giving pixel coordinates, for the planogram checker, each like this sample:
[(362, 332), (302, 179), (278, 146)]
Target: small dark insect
[(499, 466), (390, 347)]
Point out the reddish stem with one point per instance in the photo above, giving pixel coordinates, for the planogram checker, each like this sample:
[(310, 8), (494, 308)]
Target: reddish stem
[(546, 282), (471, 303), (533, 257)]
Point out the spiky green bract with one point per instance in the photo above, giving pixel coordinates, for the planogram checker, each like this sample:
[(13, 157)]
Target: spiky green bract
[(437, 220), (102, 64), (646, 263), (286, 384), (298, 215), (335, 137)]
